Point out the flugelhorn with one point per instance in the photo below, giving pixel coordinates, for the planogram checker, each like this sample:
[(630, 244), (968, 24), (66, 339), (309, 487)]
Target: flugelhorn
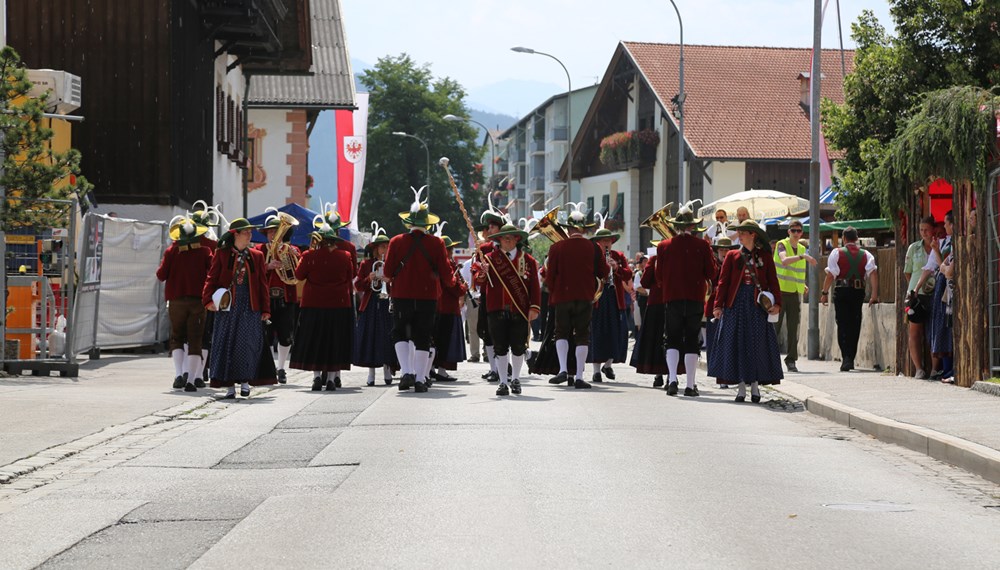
[(548, 226), (658, 221), (282, 251)]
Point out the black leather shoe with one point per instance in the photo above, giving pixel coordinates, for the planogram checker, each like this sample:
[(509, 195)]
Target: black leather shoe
[(597, 378), (850, 364), (672, 389), (581, 385), (845, 367), (331, 385), (791, 367), (388, 381), (190, 388), (693, 392), (608, 372), (515, 386), (420, 387), (317, 384), (658, 381), (199, 383), (493, 377), (406, 382), (179, 383), (755, 398), (487, 375), (244, 392), (336, 381), (560, 378), (503, 391), (282, 377), (741, 399)]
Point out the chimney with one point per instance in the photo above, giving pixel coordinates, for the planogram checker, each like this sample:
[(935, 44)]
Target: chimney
[(804, 88)]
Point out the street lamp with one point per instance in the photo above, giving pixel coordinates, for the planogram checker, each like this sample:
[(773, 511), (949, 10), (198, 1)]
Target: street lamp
[(569, 114), (681, 190), (426, 150), (493, 144)]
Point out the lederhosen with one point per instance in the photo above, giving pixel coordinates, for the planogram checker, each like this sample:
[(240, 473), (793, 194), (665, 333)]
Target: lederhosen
[(508, 326), (413, 319), (283, 310)]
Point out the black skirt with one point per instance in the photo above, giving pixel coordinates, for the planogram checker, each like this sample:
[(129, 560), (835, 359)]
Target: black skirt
[(648, 355), (449, 342), (324, 339), (373, 336), (546, 359)]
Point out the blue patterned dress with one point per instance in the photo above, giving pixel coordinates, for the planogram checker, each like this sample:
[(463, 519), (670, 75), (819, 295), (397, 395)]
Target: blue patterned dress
[(745, 348), (237, 341), (609, 330)]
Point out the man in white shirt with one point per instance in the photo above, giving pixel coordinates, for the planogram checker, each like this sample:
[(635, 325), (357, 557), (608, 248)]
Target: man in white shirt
[(471, 313), (850, 266)]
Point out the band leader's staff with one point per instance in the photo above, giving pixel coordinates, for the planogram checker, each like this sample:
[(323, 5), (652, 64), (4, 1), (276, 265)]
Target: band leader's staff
[(418, 269), (573, 267)]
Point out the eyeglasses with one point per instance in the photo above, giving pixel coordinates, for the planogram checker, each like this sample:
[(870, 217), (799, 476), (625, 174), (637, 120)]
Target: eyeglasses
[(795, 230)]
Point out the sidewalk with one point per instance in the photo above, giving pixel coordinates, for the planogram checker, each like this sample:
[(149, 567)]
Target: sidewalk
[(956, 425), (39, 412)]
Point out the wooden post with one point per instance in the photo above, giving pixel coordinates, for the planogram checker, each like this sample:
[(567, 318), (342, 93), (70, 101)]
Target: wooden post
[(906, 233), (969, 306)]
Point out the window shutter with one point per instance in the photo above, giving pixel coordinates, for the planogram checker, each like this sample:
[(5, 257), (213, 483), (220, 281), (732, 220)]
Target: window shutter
[(220, 117)]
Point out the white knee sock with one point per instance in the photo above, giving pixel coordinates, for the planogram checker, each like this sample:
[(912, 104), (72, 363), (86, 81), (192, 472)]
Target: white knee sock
[(581, 360), (491, 357), (178, 355), (371, 375), (403, 355), (691, 367), (673, 359), (502, 368), (201, 364), (245, 386), (518, 362), (597, 368), (283, 355), (754, 389), (231, 391), (562, 352), (193, 365), (741, 389), (417, 363), (386, 372), (609, 362), (427, 365)]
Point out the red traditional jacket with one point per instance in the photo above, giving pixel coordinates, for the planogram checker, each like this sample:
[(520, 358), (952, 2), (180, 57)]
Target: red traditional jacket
[(184, 270), (363, 283), (275, 282), (525, 269), (713, 293), (732, 276), (449, 304), (622, 274), (572, 269), (424, 273), (221, 275), (649, 283), (685, 266), (328, 275), (350, 248)]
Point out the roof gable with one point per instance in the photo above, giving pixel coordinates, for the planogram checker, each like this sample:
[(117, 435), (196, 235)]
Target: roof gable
[(741, 102)]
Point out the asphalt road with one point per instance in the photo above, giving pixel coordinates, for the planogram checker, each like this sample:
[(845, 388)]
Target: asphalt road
[(618, 476)]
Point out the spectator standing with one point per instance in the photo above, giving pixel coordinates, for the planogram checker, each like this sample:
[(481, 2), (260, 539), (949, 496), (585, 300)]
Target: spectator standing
[(938, 266), (790, 260), (917, 256), (847, 269)]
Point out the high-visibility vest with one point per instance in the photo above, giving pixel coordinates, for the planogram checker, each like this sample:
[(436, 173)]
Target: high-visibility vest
[(791, 278)]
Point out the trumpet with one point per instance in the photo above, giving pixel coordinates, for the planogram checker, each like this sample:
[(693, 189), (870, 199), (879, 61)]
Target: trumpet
[(378, 285)]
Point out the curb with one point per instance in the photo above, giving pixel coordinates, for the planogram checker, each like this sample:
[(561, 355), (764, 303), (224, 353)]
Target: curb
[(972, 457)]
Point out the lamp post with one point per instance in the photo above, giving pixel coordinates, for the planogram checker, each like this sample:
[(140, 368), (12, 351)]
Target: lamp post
[(682, 196), (569, 113), (426, 150), (493, 144)]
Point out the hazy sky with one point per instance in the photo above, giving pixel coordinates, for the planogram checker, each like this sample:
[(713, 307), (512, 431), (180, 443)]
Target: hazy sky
[(469, 40)]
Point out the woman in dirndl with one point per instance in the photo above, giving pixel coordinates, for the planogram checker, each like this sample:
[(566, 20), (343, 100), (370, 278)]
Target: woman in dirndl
[(939, 327), (720, 246), (649, 354), (745, 349), (449, 334), (373, 333), (609, 326), (325, 336), (236, 291)]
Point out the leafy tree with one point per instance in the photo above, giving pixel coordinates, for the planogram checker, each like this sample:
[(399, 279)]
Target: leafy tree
[(405, 97), (31, 170), (940, 43)]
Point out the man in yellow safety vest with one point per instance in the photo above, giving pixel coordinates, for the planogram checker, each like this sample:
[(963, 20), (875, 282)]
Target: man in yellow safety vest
[(790, 259)]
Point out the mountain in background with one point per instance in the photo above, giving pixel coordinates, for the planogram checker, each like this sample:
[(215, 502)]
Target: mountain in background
[(515, 97)]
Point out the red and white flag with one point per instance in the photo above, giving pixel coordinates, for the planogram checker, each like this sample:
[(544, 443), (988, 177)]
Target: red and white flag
[(352, 151)]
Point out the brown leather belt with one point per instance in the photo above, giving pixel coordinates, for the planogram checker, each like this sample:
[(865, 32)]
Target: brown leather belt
[(852, 283), (277, 291)]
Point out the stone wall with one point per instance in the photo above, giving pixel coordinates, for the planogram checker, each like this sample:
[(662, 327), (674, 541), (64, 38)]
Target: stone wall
[(876, 347)]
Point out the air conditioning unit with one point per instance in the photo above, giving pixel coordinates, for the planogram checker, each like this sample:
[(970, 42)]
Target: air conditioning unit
[(64, 89)]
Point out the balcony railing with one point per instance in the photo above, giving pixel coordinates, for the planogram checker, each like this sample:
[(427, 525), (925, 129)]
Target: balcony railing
[(559, 133), (501, 167), (554, 177), (518, 155), (537, 146), (537, 183)]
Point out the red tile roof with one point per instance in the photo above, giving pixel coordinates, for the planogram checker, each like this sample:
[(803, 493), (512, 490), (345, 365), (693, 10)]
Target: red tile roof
[(742, 102)]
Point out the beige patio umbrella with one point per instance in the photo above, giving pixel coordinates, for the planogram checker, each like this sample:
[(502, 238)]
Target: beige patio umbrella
[(761, 204)]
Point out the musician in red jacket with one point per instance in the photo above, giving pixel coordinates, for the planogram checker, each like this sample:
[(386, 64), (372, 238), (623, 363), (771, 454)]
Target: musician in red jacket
[(237, 273), (490, 223), (283, 295), (745, 348), (609, 323), (449, 333), (184, 267), (373, 332), (326, 314), (684, 268), (511, 303), (573, 268), (417, 268)]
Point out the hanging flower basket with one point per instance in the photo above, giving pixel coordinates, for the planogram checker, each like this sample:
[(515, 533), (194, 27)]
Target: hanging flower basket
[(629, 148)]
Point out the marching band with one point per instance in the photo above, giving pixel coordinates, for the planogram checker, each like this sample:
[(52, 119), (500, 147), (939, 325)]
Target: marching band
[(401, 309)]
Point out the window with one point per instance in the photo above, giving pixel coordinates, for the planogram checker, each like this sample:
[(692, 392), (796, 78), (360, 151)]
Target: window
[(604, 204), (590, 205)]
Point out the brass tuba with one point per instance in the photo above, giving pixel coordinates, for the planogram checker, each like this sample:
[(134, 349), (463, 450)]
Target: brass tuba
[(658, 221), (282, 251), (549, 226)]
